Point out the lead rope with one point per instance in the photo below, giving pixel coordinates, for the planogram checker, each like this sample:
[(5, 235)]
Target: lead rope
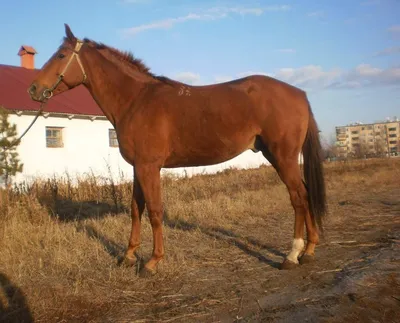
[(27, 129)]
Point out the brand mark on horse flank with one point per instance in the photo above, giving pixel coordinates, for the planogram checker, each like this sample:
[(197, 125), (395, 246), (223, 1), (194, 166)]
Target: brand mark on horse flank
[(184, 91)]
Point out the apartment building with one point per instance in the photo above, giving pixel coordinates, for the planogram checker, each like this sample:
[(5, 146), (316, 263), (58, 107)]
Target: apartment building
[(364, 140)]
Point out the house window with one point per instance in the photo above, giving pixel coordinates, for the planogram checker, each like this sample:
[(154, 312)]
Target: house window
[(54, 137), (393, 135), (392, 129), (112, 136)]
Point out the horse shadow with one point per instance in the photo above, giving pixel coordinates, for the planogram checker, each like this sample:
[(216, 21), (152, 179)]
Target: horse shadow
[(64, 208), (116, 250), (13, 306), (67, 210), (229, 237)]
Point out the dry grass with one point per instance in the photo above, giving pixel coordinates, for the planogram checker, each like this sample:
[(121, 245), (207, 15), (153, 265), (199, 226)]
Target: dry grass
[(225, 235)]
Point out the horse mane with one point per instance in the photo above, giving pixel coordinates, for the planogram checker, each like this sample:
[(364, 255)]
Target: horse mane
[(128, 58)]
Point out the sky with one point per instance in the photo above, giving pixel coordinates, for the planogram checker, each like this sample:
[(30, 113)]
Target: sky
[(344, 53)]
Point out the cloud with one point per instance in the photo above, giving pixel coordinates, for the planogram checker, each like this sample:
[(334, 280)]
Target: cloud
[(365, 75), (314, 77), (310, 76), (286, 50), (215, 13), (249, 11), (316, 14), (349, 21), (168, 23), (188, 77), (370, 3), (135, 1), (388, 51), (244, 74), (394, 29), (222, 78)]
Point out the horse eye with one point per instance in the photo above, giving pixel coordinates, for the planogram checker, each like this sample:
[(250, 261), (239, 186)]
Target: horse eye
[(61, 55)]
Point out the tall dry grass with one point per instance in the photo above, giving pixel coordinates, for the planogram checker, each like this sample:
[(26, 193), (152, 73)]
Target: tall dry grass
[(59, 242)]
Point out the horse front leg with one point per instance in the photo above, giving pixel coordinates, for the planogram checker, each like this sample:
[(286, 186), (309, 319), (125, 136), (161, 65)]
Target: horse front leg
[(150, 182), (137, 208)]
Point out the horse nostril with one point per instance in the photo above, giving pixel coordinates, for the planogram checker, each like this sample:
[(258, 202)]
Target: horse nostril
[(32, 89)]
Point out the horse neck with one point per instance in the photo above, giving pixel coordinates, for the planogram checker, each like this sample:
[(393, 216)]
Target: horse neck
[(113, 90)]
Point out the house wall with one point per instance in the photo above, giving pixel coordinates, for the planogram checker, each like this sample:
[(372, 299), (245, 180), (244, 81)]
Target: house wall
[(86, 148)]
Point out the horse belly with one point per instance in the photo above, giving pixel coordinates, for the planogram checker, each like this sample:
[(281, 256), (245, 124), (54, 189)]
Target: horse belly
[(207, 151)]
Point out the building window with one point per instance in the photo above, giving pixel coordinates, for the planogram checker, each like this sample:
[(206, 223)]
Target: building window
[(393, 135), (354, 132), (392, 129), (54, 137), (393, 142), (112, 138)]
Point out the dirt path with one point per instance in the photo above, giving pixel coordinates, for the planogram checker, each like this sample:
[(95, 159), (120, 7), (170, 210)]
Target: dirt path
[(356, 278)]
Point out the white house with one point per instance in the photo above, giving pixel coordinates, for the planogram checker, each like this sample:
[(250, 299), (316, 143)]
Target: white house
[(73, 135)]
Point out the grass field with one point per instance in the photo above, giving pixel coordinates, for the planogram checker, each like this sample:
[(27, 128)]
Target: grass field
[(225, 235)]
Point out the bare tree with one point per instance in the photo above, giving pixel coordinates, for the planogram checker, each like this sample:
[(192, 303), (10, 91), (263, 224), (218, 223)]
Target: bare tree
[(398, 148), (329, 147), (380, 147)]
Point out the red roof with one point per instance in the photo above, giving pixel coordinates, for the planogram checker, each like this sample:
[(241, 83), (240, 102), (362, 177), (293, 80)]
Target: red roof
[(14, 83)]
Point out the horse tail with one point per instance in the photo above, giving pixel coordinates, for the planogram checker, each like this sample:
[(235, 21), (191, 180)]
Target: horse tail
[(313, 172)]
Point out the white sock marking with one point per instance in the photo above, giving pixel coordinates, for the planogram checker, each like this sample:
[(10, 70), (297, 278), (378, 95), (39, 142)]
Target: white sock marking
[(297, 247)]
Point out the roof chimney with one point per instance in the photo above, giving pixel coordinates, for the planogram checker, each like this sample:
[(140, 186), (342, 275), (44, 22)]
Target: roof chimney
[(27, 54)]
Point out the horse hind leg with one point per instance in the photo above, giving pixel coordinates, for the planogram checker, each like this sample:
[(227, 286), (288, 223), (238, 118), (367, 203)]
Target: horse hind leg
[(290, 175), (289, 171)]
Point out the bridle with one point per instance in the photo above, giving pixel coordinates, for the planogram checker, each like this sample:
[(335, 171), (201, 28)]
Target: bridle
[(48, 93)]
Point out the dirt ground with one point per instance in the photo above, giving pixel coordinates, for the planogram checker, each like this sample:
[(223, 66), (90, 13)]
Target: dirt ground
[(356, 277), (222, 258)]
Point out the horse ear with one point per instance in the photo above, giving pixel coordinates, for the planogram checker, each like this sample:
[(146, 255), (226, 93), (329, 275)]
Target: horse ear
[(69, 33)]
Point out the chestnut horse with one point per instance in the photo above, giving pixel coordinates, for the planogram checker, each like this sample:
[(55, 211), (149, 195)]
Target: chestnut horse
[(162, 123)]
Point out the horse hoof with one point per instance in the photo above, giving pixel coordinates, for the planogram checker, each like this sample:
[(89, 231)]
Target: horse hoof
[(306, 259), (128, 262), (287, 265), (146, 272)]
